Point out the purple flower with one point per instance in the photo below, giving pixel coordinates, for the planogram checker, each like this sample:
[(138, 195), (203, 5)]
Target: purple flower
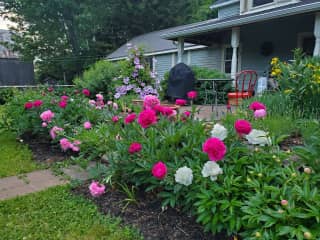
[(117, 95), (135, 74), (136, 61), (142, 84), (126, 80), (137, 90)]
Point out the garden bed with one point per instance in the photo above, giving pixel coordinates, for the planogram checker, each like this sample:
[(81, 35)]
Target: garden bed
[(148, 216)]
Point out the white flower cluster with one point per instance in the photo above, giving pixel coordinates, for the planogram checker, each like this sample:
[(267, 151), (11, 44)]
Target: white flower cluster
[(219, 131), (211, 169), (184, 176), (258, 137)]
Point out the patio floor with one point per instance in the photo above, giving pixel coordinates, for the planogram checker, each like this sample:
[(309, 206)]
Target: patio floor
[(207, 114)]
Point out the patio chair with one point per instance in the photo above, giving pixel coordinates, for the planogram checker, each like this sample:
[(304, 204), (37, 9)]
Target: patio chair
[(244, 86)]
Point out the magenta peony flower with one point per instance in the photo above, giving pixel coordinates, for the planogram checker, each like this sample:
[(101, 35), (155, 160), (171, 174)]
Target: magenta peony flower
[(47, 116), (115, 119), (86, 92), (64, 98), (147, 118), (62, 104), (257, 106), (37, 103), (135, 147), (165, 111), (261, 113), (215, 149), (87, 125), (192, 95), (96, 189), (50, 89), (130, 118), (159, 170), (54, 131), (65, 144), (181, 102), (28, 105), (150, 101), (242, 127), (44, 124), (187, 113)]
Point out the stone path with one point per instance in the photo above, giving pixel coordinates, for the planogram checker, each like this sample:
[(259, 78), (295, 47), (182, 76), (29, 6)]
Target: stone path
[(31, 182)]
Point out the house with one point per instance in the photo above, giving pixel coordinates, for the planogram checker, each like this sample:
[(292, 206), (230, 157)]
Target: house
[(5, 37), (245, 35), (163, 54), (248, 33)]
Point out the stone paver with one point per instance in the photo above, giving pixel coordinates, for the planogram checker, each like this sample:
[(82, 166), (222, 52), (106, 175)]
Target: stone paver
[(11, 187)]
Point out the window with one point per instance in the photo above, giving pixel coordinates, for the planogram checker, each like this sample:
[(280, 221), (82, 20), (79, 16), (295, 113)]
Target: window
[(227, 59), (256, 3), (306, 42)]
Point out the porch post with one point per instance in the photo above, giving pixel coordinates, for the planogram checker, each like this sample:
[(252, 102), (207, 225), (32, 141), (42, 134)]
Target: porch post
[(180, 47), (316, 51), (235, 38)]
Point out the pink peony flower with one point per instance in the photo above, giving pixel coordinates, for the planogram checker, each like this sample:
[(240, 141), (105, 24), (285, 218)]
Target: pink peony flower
[(192, 94), (64, 98), (109, 102), (135, 147), (44, 124), (92, 102), (77, 142), (261, 113), (47, 116), (257, 106), (115, 106), (96, 189), (87, 125), (159, 170), (242, 127), (181, 102), (63, 104), (115, 119), (147, 118), (86, 92), (99, 97), (215, 149), (74, 148), (150, 101), (185, 115), (130, 118), (28, 105), (37, 103), (284, 202), (65, 144), (54, 131), (50, 89)]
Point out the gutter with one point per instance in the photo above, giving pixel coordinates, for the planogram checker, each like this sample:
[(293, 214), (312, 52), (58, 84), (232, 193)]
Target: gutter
[(245, 20), (214, 6)]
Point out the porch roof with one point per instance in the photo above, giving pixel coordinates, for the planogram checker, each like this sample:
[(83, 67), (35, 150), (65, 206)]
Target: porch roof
[(217, 25)]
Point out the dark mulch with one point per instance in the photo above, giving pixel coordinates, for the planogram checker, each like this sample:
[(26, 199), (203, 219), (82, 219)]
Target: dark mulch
[(43, 150), (294, 139), (148, 216)]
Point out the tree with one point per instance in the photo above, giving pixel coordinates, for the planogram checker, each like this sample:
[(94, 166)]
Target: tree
[(68, 35)]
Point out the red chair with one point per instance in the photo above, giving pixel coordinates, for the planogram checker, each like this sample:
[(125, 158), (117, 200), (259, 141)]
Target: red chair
[(244, 86)]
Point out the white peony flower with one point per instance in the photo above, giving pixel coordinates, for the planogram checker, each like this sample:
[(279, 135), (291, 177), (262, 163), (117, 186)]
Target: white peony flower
[(258, 137), (211, 169), (184, 176), (219, 131)]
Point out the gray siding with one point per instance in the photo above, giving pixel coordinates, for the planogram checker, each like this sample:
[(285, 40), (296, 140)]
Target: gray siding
[(208, 57), (229, 11), (163, 64)]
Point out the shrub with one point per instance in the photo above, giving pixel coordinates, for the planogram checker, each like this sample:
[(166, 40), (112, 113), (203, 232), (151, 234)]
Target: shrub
[(99, 77), (6, 94), (300, 80)]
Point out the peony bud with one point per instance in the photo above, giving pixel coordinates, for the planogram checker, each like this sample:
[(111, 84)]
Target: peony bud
[(284, 202), (307, 235), (307, 170)]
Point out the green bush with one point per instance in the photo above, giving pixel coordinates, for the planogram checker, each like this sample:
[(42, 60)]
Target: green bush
[(99, 77), (6, 94), (300, 80), (204, 88)]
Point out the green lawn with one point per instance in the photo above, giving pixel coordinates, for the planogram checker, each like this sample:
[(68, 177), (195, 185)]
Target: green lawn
[(56, 214), (15, 158)]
